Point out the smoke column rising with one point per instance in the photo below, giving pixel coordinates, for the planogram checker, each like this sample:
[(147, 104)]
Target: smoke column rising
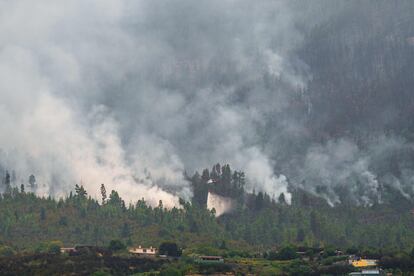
[(133, 93), (130, 93)]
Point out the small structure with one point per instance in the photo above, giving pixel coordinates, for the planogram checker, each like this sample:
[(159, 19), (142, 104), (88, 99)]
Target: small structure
[(142, 251), (210, 259), (372, 272), (361, 263), (67, 250)]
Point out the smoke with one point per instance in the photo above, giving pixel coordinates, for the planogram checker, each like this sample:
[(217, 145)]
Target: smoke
[(220, 204), (343, 172), (133, 93)]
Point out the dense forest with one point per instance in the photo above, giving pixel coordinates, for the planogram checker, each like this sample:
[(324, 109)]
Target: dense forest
[(258, 234), (256, 221)]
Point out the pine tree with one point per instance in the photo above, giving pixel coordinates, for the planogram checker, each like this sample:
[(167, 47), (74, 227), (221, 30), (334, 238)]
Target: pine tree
[(259, 202), (226, 180), (7, 179), (205, 176), (103, 193), (116, 200), (282, 199), (32, 182), (80, 191), (238, 182), (8, 188), (216, 172)]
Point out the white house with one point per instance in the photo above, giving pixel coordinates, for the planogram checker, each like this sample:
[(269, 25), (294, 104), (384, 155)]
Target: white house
[(67, 250), (151, 251)]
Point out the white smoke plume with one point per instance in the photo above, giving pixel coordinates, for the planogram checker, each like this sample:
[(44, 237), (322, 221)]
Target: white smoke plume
[(340, 170), (222, 205), (131, 93)]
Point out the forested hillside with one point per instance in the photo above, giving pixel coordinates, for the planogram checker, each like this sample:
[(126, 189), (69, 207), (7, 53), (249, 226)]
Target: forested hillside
[(361, 61), (256, 221)]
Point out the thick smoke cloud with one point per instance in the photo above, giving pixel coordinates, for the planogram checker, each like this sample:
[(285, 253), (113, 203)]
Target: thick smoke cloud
[(341, 171), (133, 93)]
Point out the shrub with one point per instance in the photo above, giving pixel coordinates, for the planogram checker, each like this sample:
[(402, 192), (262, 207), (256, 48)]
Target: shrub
[(54, 247), (6, 251), (333, 259), (170, 271), (49, 247), (116, 245), (286, 253), (170, 249)]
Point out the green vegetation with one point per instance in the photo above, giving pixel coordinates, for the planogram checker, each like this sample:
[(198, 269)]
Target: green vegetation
[(52, 247), (260, 235), (169, 249), (116, 245), (257, 222)]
